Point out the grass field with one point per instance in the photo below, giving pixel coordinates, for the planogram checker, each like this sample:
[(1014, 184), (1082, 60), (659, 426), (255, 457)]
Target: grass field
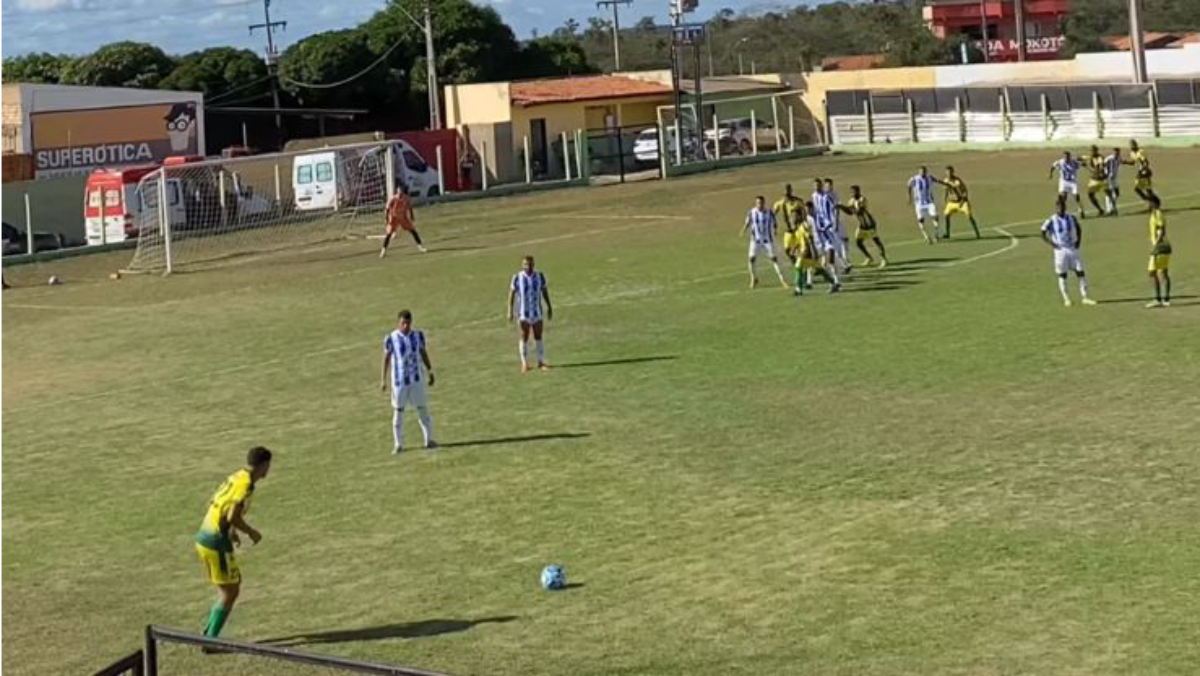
[(940, 471)]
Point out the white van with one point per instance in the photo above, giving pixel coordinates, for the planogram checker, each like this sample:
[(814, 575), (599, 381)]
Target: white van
[(323, 180)]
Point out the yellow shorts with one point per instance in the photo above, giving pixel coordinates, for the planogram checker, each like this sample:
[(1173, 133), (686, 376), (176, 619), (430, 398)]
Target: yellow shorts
[(863, 234), (1095, 186), (963, 208), (221, 566), (790, 241), (1142, 184), (805, 262), (1159, 263)]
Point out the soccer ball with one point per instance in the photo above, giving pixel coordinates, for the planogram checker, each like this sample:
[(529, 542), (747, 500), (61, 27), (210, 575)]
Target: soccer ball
[(54, 280), (553, 577)]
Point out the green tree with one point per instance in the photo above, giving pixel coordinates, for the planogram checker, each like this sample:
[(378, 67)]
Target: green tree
[(121, 64), (550, 56), (37, 67), (335, 57), (218, 70)]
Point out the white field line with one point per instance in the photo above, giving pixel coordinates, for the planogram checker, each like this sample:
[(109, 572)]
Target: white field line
[(268, 363)]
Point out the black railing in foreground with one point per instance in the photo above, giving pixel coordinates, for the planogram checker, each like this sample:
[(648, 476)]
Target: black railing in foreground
[(131, 664), (155, 634)]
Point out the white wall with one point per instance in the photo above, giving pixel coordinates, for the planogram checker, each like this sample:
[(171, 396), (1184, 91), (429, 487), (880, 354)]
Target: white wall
[(1096, 67)]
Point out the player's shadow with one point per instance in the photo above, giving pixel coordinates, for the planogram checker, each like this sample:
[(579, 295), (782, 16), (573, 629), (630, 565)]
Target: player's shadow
[(919, 263), (1145, 299), (515, 440), (616, 362), (419, 629), (885, 285)]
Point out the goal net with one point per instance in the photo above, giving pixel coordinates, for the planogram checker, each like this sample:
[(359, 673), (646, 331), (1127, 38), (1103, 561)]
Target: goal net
[(195, 213)]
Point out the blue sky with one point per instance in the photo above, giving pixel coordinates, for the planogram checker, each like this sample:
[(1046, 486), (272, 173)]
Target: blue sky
[(179, 26)]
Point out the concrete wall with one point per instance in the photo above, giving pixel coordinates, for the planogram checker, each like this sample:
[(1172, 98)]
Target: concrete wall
[(56, 205), (484, 103)]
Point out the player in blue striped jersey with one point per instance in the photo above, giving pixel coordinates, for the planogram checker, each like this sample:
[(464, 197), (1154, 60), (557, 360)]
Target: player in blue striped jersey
[(404, 354), (842, 242), (1112, 165), (525, 295), (825, 233), (920, 194), (1063, 234), (761, 223), (1068, 178)]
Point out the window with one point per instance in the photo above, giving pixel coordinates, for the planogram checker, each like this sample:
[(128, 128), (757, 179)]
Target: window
[(94, 199), (173, 193), (304, 174), (325, 171), (414, 162), (112, 198)]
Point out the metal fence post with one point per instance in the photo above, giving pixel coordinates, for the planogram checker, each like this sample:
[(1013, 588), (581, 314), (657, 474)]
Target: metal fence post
[(389, 172), (150, 653), (528, 161), (775, 121), (1045, 100), (566, 155), (29, 223), (870, 121), (716, 137), (678, 143), (791, 128), (1153, 111), (164, 217), (1005, 120), (221, 197), (753, 133), (278, 189), (1099, 116), (580, 137), (912, 119), (483, 164), (962, 120), (441, 171)]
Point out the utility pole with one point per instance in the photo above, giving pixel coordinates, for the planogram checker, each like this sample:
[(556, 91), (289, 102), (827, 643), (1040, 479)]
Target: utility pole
[(272, 59), (616, 28), (435, 99), (1137, 43), (1019, 10), (984, 27)]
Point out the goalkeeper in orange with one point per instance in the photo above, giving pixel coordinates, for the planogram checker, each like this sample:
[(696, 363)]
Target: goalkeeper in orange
[(399, 216)]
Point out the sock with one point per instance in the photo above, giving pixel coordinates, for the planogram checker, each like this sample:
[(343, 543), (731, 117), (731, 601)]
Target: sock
[(416, 237), (1167, 295), (808, 275), (426, 424), (753, 274), (863, 248), (975, 226), (777, 271), (387, 240), (216, 619), (1157, 289), (398, 427), (541, 350), (798, 276), (947, 233), (882, 251), (1083, 286), (831, 273), (522, 349), (1062, 288)]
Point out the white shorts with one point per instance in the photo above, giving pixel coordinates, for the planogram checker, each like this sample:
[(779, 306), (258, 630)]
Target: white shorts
[(1114, 184), (1067, 260), (410, 395), (530, 319), (924, 210), (826, 240), (756, 246), (1068, 187)]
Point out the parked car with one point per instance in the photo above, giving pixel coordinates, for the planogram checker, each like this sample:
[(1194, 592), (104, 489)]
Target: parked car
[(645, 146), (15, 241), (735, 136)]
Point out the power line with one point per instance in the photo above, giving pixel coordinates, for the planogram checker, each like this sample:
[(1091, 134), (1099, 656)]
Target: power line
[(339, 83), (227, 92)]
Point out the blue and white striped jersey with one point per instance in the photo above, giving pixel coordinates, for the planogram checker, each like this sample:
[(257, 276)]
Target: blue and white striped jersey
[(405, 351), (922, 189), (1112, 165), (1068, 170), (762, 225), (1063, 231), (529, 295), (823, 210)]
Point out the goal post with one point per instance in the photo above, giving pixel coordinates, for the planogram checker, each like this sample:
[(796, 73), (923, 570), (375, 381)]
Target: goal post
[(204, 213)]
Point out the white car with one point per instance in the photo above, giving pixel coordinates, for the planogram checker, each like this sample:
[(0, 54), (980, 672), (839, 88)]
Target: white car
[(735, 136), (645, 146)]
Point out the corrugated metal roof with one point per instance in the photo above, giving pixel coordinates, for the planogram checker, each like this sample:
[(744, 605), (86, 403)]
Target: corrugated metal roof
[(587, 88)]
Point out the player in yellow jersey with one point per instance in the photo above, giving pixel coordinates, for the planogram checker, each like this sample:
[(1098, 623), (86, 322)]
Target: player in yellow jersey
[(790, 209), (1160, 255), (958, 200), (867, 229), (218, 534), (1137, 158), (807, 257), (1097, 179)]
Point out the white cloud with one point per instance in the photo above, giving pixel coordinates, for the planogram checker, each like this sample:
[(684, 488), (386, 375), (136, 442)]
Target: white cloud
[(43, 5)]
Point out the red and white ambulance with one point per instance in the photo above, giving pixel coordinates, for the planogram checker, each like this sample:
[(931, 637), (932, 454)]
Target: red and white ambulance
[(112, 203)]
